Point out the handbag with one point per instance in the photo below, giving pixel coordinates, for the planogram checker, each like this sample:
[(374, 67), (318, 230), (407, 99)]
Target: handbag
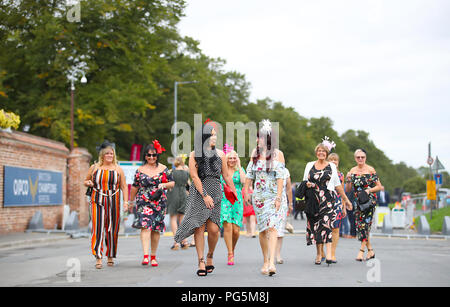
[(364, 201), (157, 195), (89, 191), (229, 194), (299, 205)]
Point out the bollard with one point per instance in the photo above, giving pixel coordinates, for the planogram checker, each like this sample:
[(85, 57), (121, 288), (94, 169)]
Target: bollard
[(72, 222), (36, 221), (424, 227), (387, 225), (446, 226)]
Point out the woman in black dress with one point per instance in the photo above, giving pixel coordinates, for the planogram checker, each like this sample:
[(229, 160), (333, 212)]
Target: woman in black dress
[(363, 177), (206, 164)]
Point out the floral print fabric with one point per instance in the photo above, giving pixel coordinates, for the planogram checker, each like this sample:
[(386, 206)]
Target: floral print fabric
[(363, 219), (265, 191), (318, 227), (150, 213), (232, 213)]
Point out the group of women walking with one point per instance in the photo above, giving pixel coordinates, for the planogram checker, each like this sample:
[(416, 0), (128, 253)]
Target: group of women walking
[(218, 197)]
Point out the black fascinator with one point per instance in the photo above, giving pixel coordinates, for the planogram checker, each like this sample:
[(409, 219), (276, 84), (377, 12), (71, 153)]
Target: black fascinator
[(105, 144)]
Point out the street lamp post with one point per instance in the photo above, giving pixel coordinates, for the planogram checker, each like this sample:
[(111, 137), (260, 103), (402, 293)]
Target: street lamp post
[(175, 110), (72, 92)]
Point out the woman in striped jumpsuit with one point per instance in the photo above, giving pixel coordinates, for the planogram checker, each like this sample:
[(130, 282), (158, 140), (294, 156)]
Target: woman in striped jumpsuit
[(107, 179)]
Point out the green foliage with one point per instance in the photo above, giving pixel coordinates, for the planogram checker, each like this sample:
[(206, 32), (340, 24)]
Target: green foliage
[(132, 53), (415, 185)]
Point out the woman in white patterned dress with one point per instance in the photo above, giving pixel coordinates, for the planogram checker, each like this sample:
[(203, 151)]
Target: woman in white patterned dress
[(265, 172)]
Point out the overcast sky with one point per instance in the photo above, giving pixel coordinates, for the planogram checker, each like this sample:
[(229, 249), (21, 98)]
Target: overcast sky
[(374, 65)]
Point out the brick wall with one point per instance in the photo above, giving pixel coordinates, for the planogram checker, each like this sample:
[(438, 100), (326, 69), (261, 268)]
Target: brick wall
[(25, 150)]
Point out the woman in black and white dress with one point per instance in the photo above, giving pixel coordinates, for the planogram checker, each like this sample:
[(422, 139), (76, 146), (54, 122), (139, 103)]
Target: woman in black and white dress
[(206, 164)]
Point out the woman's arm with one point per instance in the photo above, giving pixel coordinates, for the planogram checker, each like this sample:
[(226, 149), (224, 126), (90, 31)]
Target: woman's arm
[(88, 181), (289, 194), (193, 171), (124, 188), (348, 203)]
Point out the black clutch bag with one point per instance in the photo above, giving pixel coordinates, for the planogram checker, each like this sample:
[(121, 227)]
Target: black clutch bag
[(89, 191), (364, 201), (157, 195)]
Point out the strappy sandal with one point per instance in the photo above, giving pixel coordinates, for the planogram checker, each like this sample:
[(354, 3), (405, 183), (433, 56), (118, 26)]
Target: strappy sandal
[(373, 256), (360, 259), (209, 268), (146, 261), (201, 272), (110, 262), (272, 270), (98, 266), (184, 245), (153, 260), (230, 259), (265, 270), (175, 246)]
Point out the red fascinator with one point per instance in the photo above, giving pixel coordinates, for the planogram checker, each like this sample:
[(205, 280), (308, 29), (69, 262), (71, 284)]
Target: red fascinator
[(159, 149)]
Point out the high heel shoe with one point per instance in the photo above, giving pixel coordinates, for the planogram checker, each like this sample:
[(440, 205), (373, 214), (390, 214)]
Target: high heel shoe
[(209, 268), (146, 260), (201, 272), (328, 261), (373, 256), (230, 259), (153, 261), (360, 259), (272, 270)]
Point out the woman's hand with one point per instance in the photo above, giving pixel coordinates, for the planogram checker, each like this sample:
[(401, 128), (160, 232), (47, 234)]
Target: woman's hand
[(310, 184), (208, 202), (89, 183), (277, 203), (348, 204)]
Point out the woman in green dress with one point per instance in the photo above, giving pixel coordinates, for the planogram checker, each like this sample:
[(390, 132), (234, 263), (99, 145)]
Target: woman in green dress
[(176, 199), (231, 215)]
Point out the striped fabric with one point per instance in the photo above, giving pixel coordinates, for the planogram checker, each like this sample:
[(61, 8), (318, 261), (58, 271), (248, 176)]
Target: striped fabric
[(105, 212)]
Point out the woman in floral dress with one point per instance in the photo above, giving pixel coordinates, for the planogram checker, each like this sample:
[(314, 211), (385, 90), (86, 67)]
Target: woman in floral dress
[(363, 177), (231, 215), (150, 185), (265, 172), (322, 176)]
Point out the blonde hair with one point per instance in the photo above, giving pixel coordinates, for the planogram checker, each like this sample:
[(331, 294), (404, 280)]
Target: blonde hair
[(333, 156), (237, 157), (321, 146), (102, 153), (178, 161)]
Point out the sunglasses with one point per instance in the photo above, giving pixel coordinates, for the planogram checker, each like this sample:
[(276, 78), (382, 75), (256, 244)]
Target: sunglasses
[(361, 157), (151, 155)]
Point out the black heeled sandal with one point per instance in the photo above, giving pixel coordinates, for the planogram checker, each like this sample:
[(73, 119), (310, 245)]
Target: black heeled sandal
[(370, 250), (209, 268), (201, 272), (360, 259)]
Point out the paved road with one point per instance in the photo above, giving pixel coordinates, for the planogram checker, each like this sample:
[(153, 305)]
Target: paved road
[(400, 262)]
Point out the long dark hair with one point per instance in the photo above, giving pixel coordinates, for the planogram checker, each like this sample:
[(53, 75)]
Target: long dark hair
[(201, 143), (269, 138), (145, 152)]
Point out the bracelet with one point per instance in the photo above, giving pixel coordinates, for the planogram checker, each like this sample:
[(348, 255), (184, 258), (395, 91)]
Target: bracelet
[(278, 198)]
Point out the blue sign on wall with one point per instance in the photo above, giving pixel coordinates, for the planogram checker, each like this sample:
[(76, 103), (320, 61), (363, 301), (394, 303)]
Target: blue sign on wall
[(31, 187)]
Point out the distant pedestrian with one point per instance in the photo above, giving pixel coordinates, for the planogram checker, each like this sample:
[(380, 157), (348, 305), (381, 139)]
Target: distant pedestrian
[(107, 179), (176, 199), (363, 179), (151, 182), (206, 164), (265, 172), (231, 214), (340, 211), (285, 210), (322, 177)]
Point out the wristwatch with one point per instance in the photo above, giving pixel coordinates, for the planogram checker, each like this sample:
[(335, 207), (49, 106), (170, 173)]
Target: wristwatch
[(204, 193)]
